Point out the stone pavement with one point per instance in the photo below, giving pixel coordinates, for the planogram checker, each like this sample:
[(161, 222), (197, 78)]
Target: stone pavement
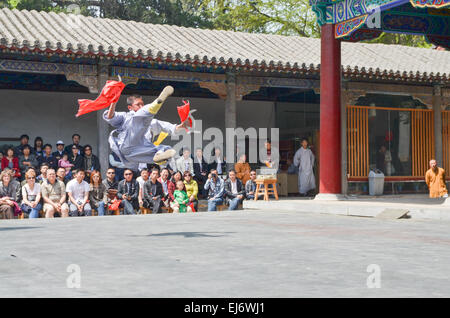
[(224, 254), (420, 206)]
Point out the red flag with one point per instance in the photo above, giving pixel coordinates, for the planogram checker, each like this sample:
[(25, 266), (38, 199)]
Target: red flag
[(183, 112), (192, 206), (110, 94)]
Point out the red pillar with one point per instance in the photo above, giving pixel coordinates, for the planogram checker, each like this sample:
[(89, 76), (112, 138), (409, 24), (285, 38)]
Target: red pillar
[(330, 112)]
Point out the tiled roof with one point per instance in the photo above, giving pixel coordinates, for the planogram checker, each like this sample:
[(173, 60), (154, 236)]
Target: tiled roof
[(59, 32)]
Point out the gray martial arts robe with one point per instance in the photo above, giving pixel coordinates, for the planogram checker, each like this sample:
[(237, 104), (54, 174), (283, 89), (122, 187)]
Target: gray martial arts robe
[(304, 160), (131, 141)]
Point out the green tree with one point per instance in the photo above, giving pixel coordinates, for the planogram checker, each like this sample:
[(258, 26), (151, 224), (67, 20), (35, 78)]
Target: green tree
[(286, 17), (402, 39)]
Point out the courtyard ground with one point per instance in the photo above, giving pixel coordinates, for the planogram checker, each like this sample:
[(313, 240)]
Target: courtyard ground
[(249, 253)]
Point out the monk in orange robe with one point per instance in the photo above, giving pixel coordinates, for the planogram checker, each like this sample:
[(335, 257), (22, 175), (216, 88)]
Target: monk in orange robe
[(242, 169), (435, 179)]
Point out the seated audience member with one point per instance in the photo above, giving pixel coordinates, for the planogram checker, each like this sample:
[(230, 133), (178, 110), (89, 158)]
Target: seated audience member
[(9, 195), (24, 181), (38, 149), (59, 150), (111, 186), (215, 187), (200, 169), (24, 139), (43, 176), (110, 181), (65, 164), (250, 186), (78, 191), (75, 142), (168, 187), (54, 196), (177, 176), (180, 204), (191, 189), (128, 192), (27, 159), (31, 195), (90, 161), (75, 158), (185, 162), (153, 192), (61, 175), (141, 180), (12, 162), (1, 158), (242, 169), (218, 163), (48, 158), (234, 191), (98, 195)]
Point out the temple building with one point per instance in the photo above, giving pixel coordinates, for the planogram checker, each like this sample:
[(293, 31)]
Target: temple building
[(392, 111)]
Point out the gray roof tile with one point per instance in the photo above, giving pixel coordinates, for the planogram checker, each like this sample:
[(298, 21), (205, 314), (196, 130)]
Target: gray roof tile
[(43, 30)]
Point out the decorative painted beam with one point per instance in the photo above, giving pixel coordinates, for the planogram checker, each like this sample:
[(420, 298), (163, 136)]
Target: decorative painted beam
[(400, 16), (85, 75)]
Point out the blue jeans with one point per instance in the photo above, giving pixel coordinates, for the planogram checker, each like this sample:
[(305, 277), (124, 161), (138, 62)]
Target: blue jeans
[(32, 213), (127, 207), (213, 203), (101, 208), (234, 203)]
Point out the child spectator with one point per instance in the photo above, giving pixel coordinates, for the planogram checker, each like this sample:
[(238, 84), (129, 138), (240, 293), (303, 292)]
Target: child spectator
[(65, 163), (181, 199)]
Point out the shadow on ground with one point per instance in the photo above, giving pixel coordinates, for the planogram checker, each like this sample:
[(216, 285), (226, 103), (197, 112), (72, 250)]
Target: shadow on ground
[(187, 234), (19, 228)]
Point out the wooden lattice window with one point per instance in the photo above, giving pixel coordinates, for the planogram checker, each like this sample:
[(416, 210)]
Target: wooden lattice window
[(417, 126)]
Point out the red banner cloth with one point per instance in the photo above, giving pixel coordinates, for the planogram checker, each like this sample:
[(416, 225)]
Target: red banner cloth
[(183, 112), (110, 94)]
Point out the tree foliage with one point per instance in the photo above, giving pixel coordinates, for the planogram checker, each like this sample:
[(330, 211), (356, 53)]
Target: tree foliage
[(285, 17)]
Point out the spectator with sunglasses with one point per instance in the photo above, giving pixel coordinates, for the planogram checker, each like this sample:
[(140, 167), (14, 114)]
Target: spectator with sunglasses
[(128, 192), (31, 195), (250, 186)]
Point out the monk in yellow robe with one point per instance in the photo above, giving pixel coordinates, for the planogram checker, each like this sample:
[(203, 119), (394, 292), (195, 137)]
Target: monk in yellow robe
[(435, 179)]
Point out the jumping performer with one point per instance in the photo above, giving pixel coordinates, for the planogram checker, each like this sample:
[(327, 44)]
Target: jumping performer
[(131, 140)]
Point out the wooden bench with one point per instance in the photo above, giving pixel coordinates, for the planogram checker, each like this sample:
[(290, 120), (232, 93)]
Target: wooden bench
[(149, 211)]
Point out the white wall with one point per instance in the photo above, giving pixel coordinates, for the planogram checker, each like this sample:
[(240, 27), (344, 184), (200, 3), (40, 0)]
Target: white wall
[(51, 115)]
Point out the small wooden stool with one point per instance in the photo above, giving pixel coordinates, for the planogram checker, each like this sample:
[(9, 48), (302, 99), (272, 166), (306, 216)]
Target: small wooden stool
[(266, 191)]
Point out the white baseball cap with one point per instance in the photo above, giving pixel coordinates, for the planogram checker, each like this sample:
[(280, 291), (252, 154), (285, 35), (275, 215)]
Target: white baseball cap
[(60, 142)]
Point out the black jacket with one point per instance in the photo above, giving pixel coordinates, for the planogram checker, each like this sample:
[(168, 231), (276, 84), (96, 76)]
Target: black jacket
[(149, 192), (239, 186), (77, 162), (197, 170), (133, 192), (95, 163), (52, 161)]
